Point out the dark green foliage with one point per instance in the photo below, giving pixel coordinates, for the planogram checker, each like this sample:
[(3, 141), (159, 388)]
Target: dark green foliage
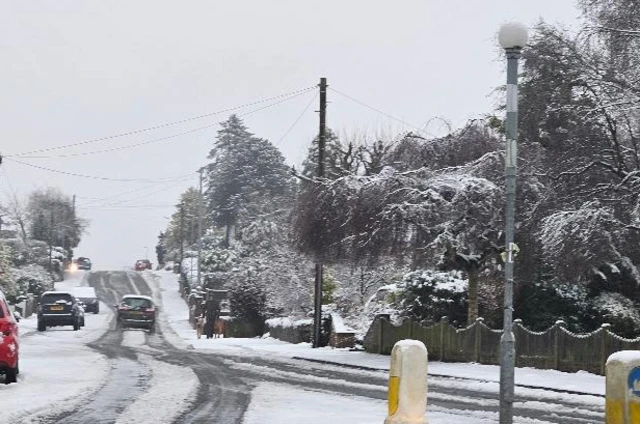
[(244, 169), (160, 248), (248, 301), (53, 218), (339, 160), (540, 305), (429, 296), (329, 287)]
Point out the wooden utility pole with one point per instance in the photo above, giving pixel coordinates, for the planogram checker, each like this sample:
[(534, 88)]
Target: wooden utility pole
[(317, 315), (199, 278), (51, 239), (181, 233)]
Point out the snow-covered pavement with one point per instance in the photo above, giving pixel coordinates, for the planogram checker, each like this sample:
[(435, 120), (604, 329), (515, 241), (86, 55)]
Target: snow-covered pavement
[(275, 404), (57, 370)]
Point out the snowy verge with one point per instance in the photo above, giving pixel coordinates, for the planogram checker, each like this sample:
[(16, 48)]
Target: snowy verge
[(57, 371), (176, 314), (55, 377)]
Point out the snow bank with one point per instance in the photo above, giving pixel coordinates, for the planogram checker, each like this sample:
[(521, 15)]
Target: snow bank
[(55, 377), (288, 322)]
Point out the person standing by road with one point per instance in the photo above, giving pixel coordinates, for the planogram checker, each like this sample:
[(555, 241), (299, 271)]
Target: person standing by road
[(212, 314)]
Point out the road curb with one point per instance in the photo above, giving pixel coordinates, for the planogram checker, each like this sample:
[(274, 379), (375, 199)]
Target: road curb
[(524, 386)]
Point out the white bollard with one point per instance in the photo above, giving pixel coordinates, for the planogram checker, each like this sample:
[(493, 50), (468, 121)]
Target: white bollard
[(623, 388), (408, 383)]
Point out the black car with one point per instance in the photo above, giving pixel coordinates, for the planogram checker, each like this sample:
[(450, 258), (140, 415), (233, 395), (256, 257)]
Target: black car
[(87, 295), (136, 311), (59, 308), (84, 263)]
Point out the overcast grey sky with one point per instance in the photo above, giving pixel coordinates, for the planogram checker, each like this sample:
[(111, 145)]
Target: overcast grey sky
[(80, 70)]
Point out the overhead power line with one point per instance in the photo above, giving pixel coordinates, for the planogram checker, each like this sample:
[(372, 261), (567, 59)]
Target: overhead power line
[(164, 125), (157, 140), (93, 177), (142, 196), (129, 146), (361, 103), (113, 201), (153, 206), (297, 119)]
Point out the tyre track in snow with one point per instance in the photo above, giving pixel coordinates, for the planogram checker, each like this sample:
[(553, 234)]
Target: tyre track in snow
[(221, 397), (226, 381), (128, 377)]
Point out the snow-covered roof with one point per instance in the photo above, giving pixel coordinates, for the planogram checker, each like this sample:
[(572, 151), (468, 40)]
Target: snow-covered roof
[(136, 296), (338, 324), (57, 292)]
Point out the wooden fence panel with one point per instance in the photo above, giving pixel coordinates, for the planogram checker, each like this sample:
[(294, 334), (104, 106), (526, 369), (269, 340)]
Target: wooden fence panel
[(534, 349), (556, 348), (489, 345), (579, 352), (459, 344)]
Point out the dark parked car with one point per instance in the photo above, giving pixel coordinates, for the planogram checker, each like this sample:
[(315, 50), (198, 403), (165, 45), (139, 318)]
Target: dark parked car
[(9, 343), (135, 311), (143, 264), (84, 263), (88, 297), (59, 308)]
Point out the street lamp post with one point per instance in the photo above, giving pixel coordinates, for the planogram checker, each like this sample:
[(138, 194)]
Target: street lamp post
[(512, 37)]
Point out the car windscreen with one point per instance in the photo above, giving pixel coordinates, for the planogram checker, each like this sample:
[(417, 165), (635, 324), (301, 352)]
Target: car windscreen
[(50, 298), (136, 302)]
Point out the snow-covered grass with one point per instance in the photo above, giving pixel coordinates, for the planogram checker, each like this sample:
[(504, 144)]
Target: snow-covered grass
[(176, 316)]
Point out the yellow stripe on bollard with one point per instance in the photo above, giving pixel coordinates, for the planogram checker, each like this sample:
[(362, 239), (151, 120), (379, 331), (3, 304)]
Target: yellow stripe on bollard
[(394, 388), (614, 412), (634, 412)]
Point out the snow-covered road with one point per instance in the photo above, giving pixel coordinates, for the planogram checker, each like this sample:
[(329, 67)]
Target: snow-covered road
[(99, 375)]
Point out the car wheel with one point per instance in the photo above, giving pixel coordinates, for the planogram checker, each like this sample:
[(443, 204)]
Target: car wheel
[(10, 376), (41, 326)]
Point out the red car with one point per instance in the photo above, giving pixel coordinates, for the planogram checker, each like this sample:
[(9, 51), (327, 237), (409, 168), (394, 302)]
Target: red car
[(8, 343), (143, 264)]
